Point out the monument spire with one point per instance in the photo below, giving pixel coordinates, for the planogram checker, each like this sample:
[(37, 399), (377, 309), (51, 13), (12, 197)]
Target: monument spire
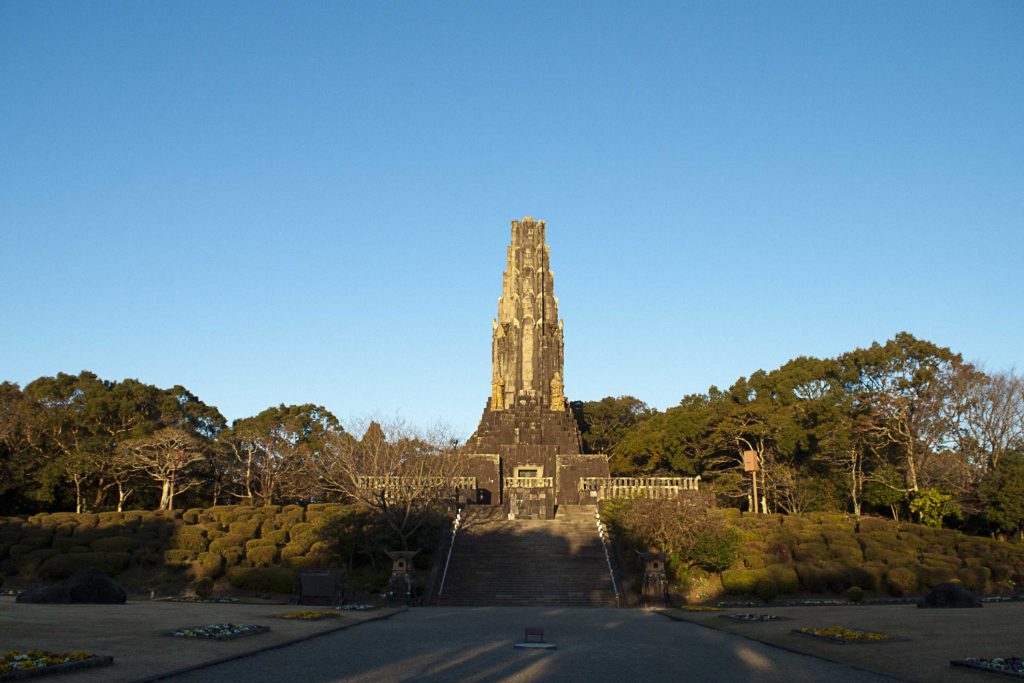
[(527, 346)]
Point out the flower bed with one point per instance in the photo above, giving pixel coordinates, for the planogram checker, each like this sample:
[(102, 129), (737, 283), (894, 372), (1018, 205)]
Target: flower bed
[(700, 608), (1007, 666), (359, 608), (752, 617), (15, 665), (185, 598), (308, 615), (841, 634), (219, 631)]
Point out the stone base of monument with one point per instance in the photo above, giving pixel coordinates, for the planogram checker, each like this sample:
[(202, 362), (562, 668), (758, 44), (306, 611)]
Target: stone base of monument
[(536, 646)]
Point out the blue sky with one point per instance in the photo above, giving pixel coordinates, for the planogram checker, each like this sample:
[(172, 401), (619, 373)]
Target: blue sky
[(310, 202)]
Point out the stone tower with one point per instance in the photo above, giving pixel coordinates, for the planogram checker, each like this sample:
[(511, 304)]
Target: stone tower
[(527, 406)]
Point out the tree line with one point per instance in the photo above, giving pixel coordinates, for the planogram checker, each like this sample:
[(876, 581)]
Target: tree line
[(79, 442), (905, 428)]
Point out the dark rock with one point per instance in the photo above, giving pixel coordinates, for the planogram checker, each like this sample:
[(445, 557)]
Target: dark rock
[(89, 586), (945, 595), (45, 595)]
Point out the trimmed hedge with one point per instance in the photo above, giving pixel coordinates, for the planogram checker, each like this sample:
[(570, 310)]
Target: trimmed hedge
[(262, 579), (63, 566)]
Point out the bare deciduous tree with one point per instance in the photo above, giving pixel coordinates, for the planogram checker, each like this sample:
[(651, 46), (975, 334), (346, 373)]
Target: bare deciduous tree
[(401, 473), (167, 457)]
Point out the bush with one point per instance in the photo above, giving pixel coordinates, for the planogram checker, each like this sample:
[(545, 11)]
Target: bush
[(247, 529), (262, 579), (766, 589), (300, 530), (66, 544), (929, 575), (208, 566), (204, 587), (784, 578), (855, 594), (715, 551), (847, 553), (810, 552), (147, 558), (177, 558), (259, 542), (191, 516), (901, 582), (63, 566), (114, 544), (262, 556), (279, 536), (29, 563), (38, 538), (740, 581), (232, 556), (191, 538), (876, 525), (227, 541), (976, 579)]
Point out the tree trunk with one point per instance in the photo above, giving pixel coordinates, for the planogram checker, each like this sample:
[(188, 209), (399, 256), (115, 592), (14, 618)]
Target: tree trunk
[(165, 489)]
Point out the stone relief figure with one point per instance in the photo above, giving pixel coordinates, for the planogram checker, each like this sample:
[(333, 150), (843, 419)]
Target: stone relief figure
[(557, 397), (497, 393)]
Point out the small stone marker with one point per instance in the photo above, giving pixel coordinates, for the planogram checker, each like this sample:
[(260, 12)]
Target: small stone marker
[(533, 639)]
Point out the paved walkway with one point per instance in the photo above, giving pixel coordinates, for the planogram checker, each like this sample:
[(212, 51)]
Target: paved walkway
[(475, 644)]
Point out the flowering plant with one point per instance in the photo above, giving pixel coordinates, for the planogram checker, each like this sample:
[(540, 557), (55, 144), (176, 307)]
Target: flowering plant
[(37, 659)]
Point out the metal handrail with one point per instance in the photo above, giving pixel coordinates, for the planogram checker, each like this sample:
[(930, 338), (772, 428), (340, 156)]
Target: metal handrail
[(607, 556), (448, 560)]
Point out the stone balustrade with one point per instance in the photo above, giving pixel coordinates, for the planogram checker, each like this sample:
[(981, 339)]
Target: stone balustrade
[(601, 488), (528, 482)]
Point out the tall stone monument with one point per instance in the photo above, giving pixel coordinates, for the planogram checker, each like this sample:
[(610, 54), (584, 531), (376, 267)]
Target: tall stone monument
[(527, 423)]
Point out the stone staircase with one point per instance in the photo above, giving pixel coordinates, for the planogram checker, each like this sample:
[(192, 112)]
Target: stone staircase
[(496, 561)]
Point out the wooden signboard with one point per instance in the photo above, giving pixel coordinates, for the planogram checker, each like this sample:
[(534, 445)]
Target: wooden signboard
[(750, 461)]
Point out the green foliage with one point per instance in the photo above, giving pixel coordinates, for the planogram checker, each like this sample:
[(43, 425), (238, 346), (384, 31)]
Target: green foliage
[(208, 566), (262, 556), (115, 544), (715, 551), (204, 587), (227, 541), (262, 579), (932, 507), (766, 589), (1002, 494), (901, 582), (855, 594), (63, 566)]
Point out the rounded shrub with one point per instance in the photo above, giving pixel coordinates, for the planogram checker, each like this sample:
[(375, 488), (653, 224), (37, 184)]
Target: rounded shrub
[(16, 552), (929, 575), (208, 566), (262, 579), (766, 589), (204, 587), (247, 529), (901, 582), (279, 536), (976, 579), (233, 556), (262, 556), (876, 525), (192, 538), (811, 552), (259, 543), (784, 577), (38, 538), (227, 541), (177, 558), (855, 594), (740, 581), (66, 544), (114, 544), (191, 516), (63, 566), (147, 558), (30, 562)]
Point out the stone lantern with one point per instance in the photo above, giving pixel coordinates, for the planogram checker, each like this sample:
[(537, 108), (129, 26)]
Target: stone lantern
[(655, 581), (401, 581)]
